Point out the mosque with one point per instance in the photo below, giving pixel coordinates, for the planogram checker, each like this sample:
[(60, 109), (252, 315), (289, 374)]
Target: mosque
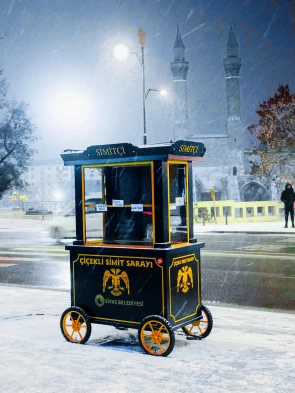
[(226, 166)]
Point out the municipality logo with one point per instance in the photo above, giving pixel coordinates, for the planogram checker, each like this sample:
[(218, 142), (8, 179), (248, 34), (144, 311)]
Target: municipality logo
[(99, 300)]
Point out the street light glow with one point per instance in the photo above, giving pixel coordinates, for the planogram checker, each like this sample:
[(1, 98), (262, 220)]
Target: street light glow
[(70, 108), (58, 195), (163, 92), (121, 52)]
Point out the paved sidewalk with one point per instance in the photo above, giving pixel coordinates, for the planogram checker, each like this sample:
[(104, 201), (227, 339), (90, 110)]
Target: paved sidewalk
[(248, 351), (23, 224), (275, 227)]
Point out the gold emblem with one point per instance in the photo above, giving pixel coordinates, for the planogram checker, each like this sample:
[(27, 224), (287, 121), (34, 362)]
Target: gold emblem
[(185, 279), (116, 277)]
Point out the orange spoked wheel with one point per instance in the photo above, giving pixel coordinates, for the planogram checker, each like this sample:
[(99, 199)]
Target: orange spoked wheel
[(201, 328), (75, 325), (156, 336)]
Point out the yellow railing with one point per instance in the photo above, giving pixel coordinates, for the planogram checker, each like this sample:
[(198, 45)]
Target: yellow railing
[(236, 212)]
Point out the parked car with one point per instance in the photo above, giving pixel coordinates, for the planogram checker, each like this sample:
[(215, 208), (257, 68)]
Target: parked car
[(36, 212), (63, 226)]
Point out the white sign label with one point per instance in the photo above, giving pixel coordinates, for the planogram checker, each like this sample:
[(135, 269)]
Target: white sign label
[(179, 201), (172, 206), (118, 202), (101, 207), (137, 207)]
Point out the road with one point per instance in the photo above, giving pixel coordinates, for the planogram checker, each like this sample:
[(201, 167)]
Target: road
[(249, 270)]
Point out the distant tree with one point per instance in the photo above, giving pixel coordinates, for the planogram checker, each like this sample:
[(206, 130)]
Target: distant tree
[(17, 133), (274, 153)]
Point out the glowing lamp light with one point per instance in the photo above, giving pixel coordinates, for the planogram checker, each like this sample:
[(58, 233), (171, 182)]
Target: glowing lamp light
[(70, 108), (121, 52), (163, 92), (58, 195)]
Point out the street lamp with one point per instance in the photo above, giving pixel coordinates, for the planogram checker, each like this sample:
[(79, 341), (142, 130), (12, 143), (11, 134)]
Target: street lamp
[(121, 53)]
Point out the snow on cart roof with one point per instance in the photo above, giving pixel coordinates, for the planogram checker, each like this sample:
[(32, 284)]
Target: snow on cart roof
[(126, 152)]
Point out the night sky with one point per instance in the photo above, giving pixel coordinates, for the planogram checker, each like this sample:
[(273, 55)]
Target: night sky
[(54, 47)]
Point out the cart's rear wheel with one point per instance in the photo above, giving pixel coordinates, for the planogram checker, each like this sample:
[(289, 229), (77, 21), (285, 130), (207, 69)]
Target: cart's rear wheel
[(201, 328), (75, 325), (156, 336)]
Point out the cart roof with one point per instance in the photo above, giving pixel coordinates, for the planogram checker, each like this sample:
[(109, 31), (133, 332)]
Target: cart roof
[(126, 152)]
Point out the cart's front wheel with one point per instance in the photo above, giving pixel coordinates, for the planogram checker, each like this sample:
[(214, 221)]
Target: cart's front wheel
[(75, 325), (201, 328), (156, 336)]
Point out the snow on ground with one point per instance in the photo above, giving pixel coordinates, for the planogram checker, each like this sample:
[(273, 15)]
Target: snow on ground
[(247, 351)]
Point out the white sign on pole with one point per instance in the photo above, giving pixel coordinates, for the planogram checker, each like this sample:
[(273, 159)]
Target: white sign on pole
[(137, 207), (179, 201), (118, 202), (101, 207)]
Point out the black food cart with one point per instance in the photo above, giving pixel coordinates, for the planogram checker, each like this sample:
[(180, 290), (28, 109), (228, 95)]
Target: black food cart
[(135, 262)]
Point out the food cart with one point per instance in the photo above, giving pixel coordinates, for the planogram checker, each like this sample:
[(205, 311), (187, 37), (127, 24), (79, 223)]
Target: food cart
[(135, 262)]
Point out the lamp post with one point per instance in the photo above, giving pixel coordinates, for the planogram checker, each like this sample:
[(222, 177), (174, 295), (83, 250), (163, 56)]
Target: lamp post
[(121, 52), (141, 39)]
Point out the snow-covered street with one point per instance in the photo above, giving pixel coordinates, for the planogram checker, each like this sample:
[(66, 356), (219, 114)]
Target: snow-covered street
[(247, 351)]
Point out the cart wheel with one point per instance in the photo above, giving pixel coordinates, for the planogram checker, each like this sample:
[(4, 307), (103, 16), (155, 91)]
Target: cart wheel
[(201, 328), (75, 325), (156, 336)]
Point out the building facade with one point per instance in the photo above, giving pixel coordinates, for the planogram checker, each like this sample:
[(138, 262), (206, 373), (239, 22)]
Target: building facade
[(226, 166)]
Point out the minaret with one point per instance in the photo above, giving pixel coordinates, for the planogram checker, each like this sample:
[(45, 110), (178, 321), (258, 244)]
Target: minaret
[(232, 65), (179, 68)]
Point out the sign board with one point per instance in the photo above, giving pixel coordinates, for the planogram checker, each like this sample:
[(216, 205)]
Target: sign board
[(118, 203), (101, 207), (137, 207)]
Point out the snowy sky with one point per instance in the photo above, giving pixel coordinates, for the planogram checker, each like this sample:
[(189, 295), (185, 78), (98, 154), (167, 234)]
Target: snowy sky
[(55, 48)]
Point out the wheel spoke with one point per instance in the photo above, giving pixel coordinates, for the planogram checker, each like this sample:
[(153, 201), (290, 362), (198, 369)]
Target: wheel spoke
[(147, 335), (80, 334), (160, 346), (151, 326), (153, 341)]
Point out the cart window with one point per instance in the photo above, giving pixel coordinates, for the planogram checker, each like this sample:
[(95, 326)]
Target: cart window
[(178, 216), (93, 198), (125, 211)]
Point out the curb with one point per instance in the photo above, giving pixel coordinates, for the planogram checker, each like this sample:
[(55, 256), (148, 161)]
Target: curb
[(249, 232)]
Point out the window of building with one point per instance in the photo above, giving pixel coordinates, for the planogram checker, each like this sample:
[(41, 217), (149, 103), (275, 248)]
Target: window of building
[(249, 212), (226, 210), (238, 212), (235, 171)]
